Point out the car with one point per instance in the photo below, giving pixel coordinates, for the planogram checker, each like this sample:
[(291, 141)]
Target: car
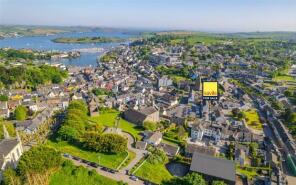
[(104, 169), (84, 161), (95, 165), (112, 171), (67, 155), (76, 158), (134, 178)]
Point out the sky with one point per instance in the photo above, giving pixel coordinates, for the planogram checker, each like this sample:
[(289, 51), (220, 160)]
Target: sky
[(198, 15)]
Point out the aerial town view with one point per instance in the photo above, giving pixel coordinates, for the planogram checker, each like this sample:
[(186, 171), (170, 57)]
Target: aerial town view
[(148, 92)]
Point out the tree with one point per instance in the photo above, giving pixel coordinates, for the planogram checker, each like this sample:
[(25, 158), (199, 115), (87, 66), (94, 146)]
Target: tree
[(68, 133), (10, 177), (241, 115), (149, 125), (78, 105), (292, 118), (158, 156), (39, 160), (253, 149), (56, 79), (3, 98), (288, 93), (181, 132), (235, 112), (20, 113), (10, 128), (190, 179), (107, 143)]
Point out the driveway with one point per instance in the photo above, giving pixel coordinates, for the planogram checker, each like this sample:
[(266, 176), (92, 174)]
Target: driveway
[(139, 153), (118, 176)]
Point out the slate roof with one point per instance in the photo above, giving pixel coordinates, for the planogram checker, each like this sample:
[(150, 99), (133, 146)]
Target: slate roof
[(212, 166), (191, 148), (6, 145), (170, 150), (138, 116)]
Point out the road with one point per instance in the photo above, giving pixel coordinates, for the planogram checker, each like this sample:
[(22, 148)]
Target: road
[(119, 176), (139, 153)]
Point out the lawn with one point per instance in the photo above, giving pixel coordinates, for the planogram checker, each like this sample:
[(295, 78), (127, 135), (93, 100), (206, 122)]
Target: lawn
[(253, 120), (248, 173), (155, 173), (108, 119), (107, 160), (73, 175), (284, 78)]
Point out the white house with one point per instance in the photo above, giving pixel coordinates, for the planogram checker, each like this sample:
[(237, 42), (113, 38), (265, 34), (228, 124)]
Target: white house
[(10, 151)]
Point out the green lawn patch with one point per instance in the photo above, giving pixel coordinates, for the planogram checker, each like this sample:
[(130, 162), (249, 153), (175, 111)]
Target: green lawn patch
[(72, 175), (252, 119), (284, 78), (108, 118), (248, 173), (155, 173), (107, 160)]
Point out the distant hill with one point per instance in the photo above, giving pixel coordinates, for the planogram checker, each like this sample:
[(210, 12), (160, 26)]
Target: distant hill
[(272, 35)]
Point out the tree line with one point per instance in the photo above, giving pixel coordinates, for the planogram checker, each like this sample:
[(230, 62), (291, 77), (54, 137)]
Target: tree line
[(77, 130)]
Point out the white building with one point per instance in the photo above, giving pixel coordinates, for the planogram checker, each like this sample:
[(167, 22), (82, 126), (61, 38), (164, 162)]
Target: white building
[(214, 131), (10, 151)]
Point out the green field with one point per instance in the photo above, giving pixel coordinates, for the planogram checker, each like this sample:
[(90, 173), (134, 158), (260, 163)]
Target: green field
[(248, 173), (253, 120), (108, 119), (155, 173), (72, 175), (107, 160), (284, 78)]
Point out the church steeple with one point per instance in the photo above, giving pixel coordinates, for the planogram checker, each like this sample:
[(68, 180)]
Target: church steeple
[(5, 133)]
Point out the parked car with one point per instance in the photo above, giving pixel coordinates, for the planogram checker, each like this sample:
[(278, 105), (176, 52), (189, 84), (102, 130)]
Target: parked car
[(84, 161), (67, 155), (105, 169), (95, 165), (76, 158), (134, 178), (112, 171)]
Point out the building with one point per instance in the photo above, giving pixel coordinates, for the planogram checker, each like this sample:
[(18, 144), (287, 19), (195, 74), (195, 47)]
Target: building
[(213, 131), (140, 116), (213, 168), (153, 138), (10, 150), (170, 150), (93, 106), (164, 82), (192, 148), (141, 145)]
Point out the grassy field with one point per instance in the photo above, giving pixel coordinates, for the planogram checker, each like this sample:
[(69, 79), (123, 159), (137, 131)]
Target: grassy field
[(73, 175), (249, 174), (107, 160), (155, 173), (284, 78), (108, 119), (252, 119)]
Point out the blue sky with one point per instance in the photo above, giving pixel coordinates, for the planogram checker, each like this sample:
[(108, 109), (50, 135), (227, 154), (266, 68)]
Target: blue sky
[(202, 15)]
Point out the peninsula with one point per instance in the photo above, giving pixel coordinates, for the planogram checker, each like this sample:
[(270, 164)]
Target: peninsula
[(88, 40)]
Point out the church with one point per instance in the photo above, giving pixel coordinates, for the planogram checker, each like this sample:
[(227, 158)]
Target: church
[(10, 151)]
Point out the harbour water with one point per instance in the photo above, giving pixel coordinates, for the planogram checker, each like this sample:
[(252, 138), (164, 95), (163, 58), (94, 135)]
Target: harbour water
[(90, 51)]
